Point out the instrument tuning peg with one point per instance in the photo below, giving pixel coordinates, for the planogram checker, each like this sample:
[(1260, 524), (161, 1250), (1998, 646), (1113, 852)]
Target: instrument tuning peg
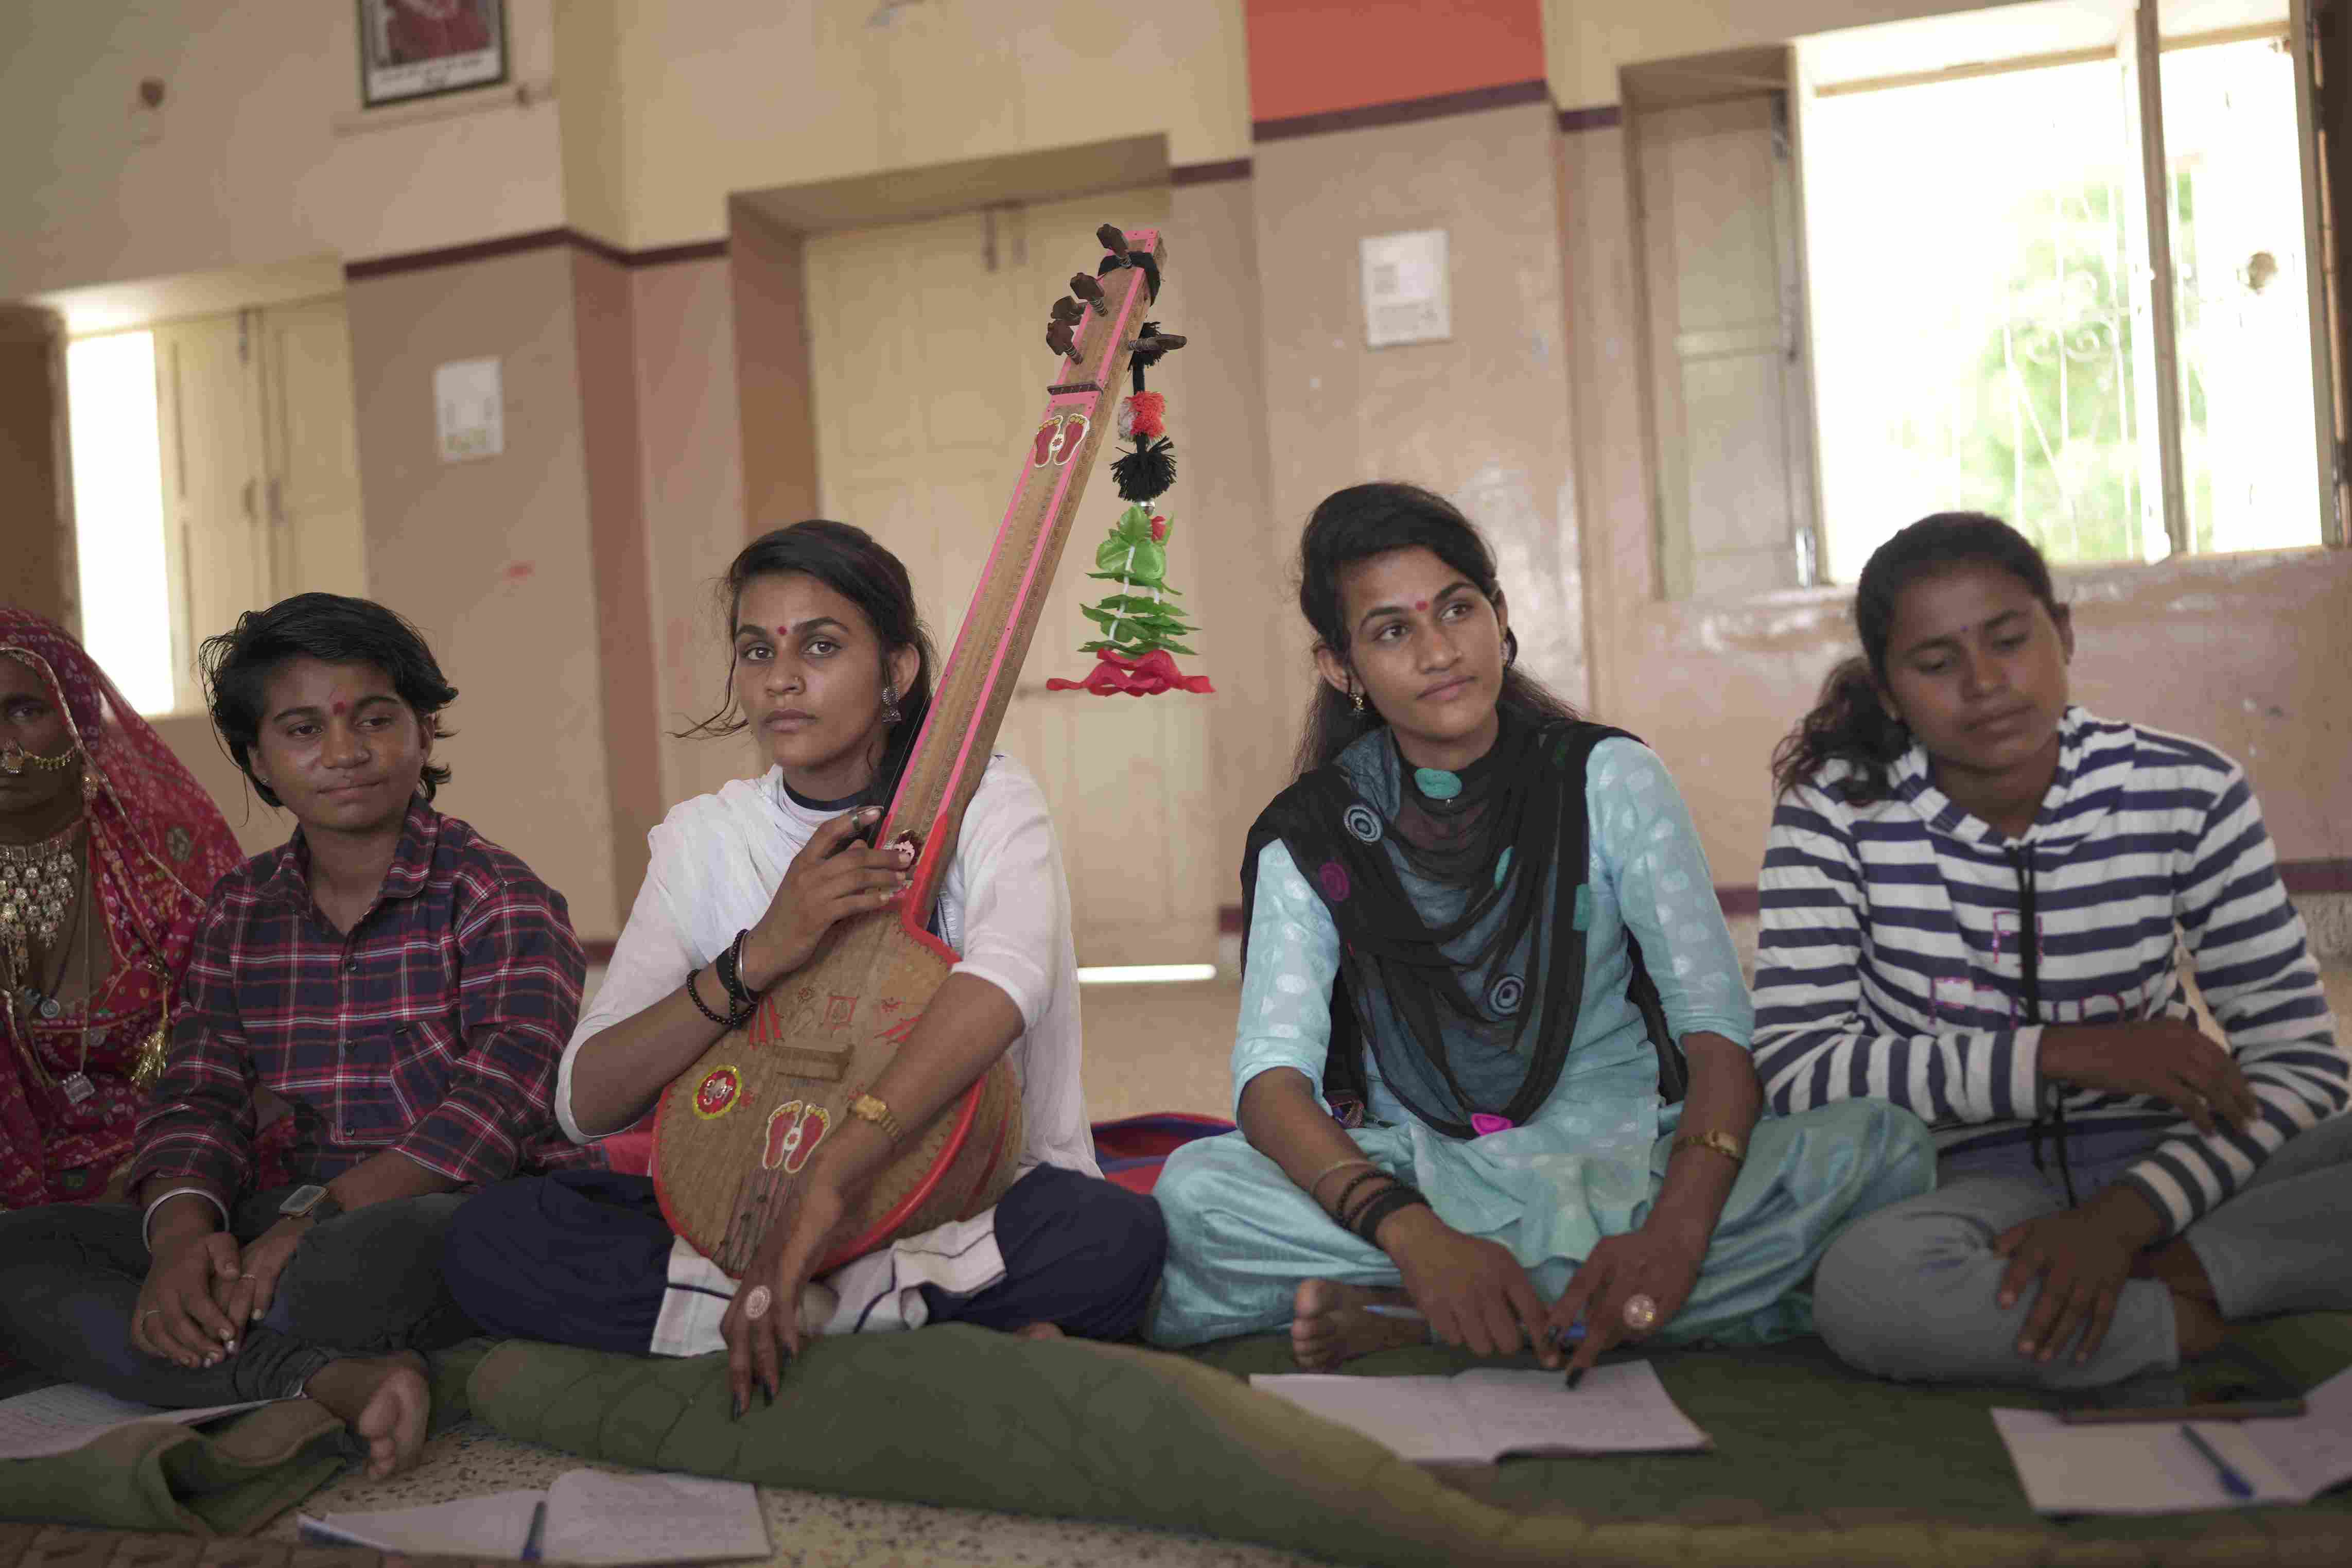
[(1084, 286), (1068, 310), (1113, 237), (1059, 338)]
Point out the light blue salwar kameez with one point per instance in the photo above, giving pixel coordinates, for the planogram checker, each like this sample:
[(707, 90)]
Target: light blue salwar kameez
[(1589, 1162)]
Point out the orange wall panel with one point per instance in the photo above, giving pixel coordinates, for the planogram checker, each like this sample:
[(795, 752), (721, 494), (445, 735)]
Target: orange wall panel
[(1316, 56)]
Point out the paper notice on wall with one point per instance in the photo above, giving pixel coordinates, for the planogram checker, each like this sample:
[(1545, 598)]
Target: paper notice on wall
[(1406, 299), (470, 409)]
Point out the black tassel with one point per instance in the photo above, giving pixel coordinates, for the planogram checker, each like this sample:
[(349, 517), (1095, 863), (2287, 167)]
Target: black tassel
[(1144, 474), (1142, 259)]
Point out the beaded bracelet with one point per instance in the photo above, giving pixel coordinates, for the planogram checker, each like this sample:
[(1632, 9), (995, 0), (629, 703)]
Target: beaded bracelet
[(733, 1020), (1366, 1222), (1340, 1206), (1327, 1172), (729, 967)]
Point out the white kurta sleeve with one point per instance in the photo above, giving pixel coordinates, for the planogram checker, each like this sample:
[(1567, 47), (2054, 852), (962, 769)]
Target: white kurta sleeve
[(1293, 957), (652, 959), (1016, 901)]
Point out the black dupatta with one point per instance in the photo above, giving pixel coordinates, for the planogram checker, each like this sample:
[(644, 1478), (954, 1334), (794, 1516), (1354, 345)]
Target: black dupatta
[(1468, 996)]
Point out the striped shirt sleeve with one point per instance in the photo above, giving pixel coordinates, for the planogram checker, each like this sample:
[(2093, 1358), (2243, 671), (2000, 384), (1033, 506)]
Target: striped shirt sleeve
[(1815, 1041), (2246, 946)]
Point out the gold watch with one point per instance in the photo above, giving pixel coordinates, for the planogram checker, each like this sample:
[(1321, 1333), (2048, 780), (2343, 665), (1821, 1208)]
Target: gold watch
[(866, 1107), (1723, 1144)]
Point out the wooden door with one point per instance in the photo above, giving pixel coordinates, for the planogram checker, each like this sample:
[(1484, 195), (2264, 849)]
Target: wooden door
[(215, 546), (313, 495), (924, 386), (1731, 409)]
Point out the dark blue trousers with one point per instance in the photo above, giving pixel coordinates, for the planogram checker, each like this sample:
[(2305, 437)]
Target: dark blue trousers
[(581, 1257)]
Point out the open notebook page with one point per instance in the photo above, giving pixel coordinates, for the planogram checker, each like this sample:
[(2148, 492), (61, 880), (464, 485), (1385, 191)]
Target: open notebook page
[(1476, 1417), (61, 1418), (1617, 1410), (596, 1517)]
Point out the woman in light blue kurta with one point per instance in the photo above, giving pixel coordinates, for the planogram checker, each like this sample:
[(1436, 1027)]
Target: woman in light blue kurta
[(1452, 1102)]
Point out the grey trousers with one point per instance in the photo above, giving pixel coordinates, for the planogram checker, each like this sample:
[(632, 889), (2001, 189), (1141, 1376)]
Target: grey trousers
[(1910, 1291), (366, 1282)]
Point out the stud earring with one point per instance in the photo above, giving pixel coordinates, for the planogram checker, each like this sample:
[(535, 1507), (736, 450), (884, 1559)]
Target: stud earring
[(889, 705)]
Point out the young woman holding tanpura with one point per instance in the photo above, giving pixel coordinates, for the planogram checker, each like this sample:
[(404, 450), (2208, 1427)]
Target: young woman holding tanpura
[(1974, 897), (1455, 1111), (832, 672)]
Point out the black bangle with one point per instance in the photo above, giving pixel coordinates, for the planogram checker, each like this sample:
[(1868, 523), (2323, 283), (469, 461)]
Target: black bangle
[(729, 967), (729, 1022), (1366, 1222), (1340, 1204)]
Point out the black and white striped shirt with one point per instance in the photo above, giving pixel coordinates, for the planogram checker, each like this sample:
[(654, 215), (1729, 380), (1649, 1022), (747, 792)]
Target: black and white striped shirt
[(1888, 962)]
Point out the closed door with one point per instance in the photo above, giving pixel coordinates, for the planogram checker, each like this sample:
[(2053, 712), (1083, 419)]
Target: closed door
[(1730, 406), (930, 367), (313, 497)]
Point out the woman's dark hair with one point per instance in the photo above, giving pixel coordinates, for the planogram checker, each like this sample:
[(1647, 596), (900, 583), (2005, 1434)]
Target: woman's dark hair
[(1848, 723), (847, 560), (236, 665), (1365, 521)]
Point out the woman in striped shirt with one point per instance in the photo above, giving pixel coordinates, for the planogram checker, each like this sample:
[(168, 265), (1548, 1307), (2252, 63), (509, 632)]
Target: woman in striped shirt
[(2113, 1185)]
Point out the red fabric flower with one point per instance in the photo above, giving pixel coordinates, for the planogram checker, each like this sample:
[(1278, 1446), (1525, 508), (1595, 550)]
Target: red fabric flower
[(1114, 675), (1159, 531)]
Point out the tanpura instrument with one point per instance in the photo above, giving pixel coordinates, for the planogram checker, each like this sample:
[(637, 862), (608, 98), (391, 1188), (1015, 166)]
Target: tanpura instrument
[(737, 1128)]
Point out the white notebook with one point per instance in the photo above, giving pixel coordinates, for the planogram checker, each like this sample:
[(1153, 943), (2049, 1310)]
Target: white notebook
[(1478, 1417), (62, 1417), (593, 1517), (2151, 1468)]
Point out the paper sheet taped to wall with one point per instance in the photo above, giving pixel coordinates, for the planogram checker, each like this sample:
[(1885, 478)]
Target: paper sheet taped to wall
[(1406, 298), (470, 409)]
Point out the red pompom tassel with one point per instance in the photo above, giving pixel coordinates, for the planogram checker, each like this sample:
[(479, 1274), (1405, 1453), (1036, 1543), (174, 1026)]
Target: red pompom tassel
[(1145, 414)]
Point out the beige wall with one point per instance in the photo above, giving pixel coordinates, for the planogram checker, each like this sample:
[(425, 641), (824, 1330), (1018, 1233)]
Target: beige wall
[(693, 507), (38, 570), (2247, 653), (1482, 418), (722, 96), (493, 559), (247, 162), (257, 826)]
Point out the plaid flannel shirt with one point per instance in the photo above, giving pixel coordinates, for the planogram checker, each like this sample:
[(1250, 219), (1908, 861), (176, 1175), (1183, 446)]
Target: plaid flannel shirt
[(432, 1029)]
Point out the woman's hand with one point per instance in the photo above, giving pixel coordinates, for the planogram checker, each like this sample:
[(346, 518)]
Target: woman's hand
[(246, 1295), (2081, 1257), (177, 1317), (831, 879), (2167, 1058), (816, 1212), (1660, 1263), (1473, 1291)]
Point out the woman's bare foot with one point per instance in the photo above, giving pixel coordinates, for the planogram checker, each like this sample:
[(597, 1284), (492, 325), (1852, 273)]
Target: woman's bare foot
[(383, 1400), (1328, 1324), (1040, 1331)]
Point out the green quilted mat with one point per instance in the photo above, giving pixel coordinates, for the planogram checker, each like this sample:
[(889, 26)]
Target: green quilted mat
[(1812, 1464)]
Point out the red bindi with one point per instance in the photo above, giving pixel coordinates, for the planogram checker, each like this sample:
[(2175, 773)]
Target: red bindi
[(340, 708), (1420, 605)]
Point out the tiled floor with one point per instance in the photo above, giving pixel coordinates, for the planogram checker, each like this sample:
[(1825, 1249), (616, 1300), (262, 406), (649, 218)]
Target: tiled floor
[(1147, 1048)]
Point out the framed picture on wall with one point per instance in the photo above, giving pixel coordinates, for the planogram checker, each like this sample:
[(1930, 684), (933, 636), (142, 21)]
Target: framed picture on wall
[(415, 48)]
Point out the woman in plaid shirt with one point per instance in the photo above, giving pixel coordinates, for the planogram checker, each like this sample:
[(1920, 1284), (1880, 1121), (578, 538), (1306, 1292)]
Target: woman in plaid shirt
[(404, 985)]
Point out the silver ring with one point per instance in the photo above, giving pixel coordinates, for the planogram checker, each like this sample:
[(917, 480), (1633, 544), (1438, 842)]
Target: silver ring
[(1640, 1314), (755, 1305)]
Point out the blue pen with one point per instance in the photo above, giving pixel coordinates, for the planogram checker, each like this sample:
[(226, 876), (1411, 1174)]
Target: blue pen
[(530, 1543), (2233, 1483)]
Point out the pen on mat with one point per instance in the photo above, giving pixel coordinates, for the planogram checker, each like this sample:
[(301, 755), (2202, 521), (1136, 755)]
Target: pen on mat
[(530, 1544), (2233, 1482)]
